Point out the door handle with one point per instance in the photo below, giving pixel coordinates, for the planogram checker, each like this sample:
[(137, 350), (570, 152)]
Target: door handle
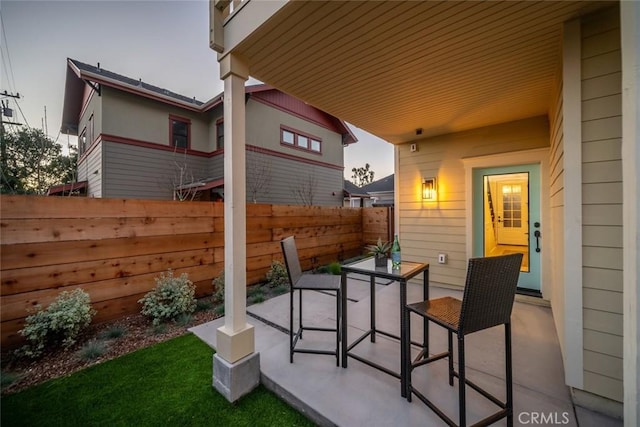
[(537, 234)]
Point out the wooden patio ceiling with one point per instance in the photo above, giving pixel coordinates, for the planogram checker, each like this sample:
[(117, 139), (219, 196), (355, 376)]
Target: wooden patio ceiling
[(393, 67)]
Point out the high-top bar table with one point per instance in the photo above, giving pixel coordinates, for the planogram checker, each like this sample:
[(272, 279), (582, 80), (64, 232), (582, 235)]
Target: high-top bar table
[(406, 271)]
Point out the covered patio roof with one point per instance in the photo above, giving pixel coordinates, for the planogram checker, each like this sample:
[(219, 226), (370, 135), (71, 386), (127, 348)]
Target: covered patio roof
[(401, 69)]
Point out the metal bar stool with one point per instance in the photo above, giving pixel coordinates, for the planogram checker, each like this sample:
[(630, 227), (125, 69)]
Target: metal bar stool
[(313, 282), (487, 301)]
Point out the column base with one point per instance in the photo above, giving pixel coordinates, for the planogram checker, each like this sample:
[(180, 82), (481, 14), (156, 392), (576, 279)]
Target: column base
[(234, 380)]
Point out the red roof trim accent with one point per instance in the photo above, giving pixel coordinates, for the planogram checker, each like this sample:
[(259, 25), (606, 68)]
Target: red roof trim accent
[(292, 157), (212, 184), (61, 188), (153, 145), (117, 85)]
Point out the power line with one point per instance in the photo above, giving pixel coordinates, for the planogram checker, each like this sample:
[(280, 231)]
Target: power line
[(6, 47), (23, 116)]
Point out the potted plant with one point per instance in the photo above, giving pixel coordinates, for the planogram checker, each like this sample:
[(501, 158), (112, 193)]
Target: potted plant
[(379, 251)]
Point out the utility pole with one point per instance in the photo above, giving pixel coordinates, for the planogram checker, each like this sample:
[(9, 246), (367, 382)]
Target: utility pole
[(6, 111)]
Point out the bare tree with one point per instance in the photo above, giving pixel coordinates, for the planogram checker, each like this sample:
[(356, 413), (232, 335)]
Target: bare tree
[(182, 182), (259, 170), (305, 189)]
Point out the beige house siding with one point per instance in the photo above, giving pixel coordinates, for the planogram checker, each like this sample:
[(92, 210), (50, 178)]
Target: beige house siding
[(142, 119), (263, 130), (602, 204), (556, 205), (427, 229), (93, 107)]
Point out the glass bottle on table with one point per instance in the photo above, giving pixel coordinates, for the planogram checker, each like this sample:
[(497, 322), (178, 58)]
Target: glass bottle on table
[(395, 253)]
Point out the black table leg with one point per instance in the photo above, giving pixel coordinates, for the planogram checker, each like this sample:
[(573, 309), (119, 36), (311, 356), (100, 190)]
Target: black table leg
[(343, 297), (372, 291), (405, 340), (425, 324)]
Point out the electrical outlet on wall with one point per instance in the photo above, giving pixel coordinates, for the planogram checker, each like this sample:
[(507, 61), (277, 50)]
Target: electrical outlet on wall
[(442, 258)]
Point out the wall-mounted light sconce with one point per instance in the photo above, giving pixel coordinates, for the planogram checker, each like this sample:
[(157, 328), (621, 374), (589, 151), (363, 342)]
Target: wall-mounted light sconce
[(429, 189)]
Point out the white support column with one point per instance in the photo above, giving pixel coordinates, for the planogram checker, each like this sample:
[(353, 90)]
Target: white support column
[(572, 131), (236, 366), (630, 34)]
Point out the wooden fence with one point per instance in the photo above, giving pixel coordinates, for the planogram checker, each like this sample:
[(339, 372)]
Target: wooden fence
[(114, 248)]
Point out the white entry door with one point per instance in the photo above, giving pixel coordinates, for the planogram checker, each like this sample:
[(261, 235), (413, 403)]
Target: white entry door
[(512, 207)]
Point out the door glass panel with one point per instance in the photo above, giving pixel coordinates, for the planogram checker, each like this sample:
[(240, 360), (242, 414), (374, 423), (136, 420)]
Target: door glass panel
[(506, 215)]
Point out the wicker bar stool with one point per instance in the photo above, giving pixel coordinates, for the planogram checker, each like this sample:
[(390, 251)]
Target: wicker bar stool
[(487, 301), (313, 282)]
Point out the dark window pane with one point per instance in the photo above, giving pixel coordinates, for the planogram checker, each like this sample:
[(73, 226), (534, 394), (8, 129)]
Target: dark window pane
[(180, 141), (180, 133)]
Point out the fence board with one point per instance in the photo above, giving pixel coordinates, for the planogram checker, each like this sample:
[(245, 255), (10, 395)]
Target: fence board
[(78, 207), (55, 253), (60, 275), (71, 229), (114, 249)]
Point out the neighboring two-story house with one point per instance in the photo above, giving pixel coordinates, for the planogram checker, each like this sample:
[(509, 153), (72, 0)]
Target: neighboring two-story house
[(136, 140)]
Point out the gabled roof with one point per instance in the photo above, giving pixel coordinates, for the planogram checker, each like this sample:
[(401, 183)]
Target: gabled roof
[(79, 74), (381, 185), (352, 190)]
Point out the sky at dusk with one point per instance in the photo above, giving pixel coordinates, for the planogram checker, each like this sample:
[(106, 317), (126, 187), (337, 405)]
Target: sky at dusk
[(165, 43)]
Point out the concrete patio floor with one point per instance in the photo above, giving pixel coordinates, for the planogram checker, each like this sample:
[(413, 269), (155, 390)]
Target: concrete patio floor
[(361, 395)]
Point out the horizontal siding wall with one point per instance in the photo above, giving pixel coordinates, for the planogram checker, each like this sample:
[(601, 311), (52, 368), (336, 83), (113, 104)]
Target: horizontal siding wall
[(287, 181), (147, 173), (602, 204), (428, 228), (556, 204), (90, 169), (114, 248)]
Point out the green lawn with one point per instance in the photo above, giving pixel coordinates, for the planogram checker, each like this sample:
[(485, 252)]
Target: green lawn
[(168, 384)]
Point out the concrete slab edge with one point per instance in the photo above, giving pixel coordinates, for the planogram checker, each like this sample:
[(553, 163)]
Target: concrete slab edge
[(293, 401)]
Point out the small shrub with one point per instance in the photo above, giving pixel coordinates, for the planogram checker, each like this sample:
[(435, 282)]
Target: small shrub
[(171, 297), (279, 290), (158, 329), (115, 331), (335, 268), (277, 275), (203, 305), (256, 296), (60, 323), (219, 310), (92, 350), (183, 319), (7, 378), (218, 287), (323, 269)]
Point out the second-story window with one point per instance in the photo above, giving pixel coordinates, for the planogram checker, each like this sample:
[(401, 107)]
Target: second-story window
[(220, 134), (82, 142), (90, 132), (301, 140), (179, 132)]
